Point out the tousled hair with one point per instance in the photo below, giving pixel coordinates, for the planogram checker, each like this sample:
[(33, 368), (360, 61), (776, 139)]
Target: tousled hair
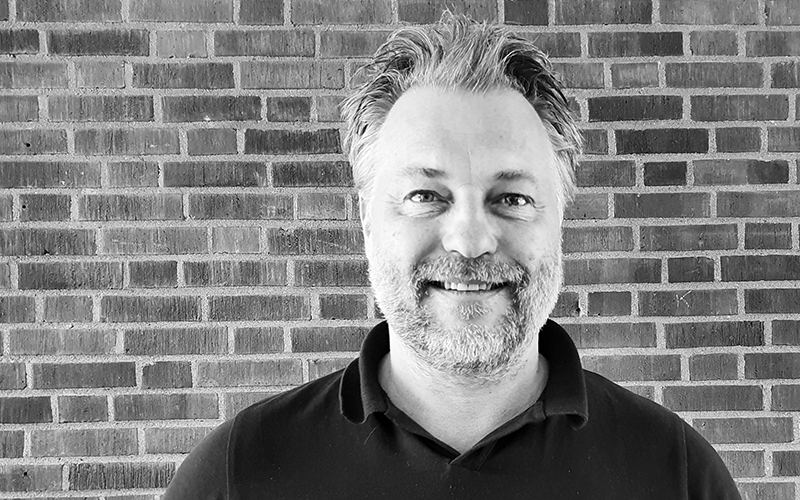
[(457, 53)]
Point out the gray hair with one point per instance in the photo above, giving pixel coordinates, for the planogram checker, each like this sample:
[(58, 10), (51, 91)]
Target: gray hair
[(457, 53)]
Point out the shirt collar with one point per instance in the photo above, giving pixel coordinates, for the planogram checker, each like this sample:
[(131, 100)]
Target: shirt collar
[(360, 392)]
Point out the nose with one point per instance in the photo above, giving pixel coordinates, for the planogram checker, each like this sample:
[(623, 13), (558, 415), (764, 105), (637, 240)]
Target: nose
[(469, 231)]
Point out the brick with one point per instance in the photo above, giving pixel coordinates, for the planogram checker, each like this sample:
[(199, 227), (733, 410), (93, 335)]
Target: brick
[(714, 398), (768, 236), (714, 334), (635, 367), (19, 109), (238, 401), (165, 406), (745, 430), (595, 142), (767, 491), (273, 43), (662, 205), (714, 74), (312, 174), (132, 174), (32, 142), (101, 108), (782, 12), (20, 75), (610, 12), (605, 173), (235, 240), (292, 75), (155, 241), (126, 141), (277, 142), (249, 373), (193, 11), (772, 365), (321, 367), (669, 140), (597, 239), (211, 141), (66, 341), (259, 308), (713, 367), (14, 477), (328, 108), (760, 267), (786, 463), (47, 242), (72, 10), (211, 108), (783, 139), (12, 444), (82, 408), (100, 74), (245, 206), (122, 308), (234, 273), (760, 204), (784, 332), (68, 309), (114, 207), (183, 75), (738, 139), (322, 339), (554, 44), (181, 44), (772, 43), (258, 340), (634, 75), (709, 12), (786, 397), (5, 276), (567, 306), (215, 174), (688, 303), (740, 107), (83, 442), (173, 439), (321, 206), (428, 12), (173, 341), (690, 269), (331, 273), (166, 374), (83, 375), (261, 12), (99, 42), (588, 206), (785, 75), (665, 173), (635, 44), (333, 241), (6, 202), (44, 207), (26, 410), (120, 475), (17, 309), (530, 12), (153, 274), (288, 109), (19, 41), (343, 306), (580, 75), (350, 43), (4, 11), (609, 304), (713, 43), (593, 271), (12, 376), (70, 275)]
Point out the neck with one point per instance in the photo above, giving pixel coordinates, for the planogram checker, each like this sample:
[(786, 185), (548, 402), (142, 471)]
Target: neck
[(456, 410)]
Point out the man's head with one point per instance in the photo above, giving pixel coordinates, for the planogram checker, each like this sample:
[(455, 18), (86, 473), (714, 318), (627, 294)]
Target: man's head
[(463, 170)]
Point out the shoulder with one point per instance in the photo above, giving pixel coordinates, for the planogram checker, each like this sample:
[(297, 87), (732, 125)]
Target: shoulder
[(609, 400)]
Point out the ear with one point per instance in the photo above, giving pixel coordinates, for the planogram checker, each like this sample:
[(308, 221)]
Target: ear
[(366, 218)]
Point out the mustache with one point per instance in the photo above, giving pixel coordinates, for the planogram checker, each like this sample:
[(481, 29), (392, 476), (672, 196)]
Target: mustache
[(451, 267)]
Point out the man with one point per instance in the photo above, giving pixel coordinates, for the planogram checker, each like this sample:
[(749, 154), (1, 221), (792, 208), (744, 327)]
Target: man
[(462, 148)]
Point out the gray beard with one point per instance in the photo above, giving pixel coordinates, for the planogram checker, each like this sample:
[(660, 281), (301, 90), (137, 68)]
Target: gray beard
[(476, 352)]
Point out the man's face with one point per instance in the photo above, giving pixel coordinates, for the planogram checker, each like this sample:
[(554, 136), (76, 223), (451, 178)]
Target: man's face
[(462, 227)]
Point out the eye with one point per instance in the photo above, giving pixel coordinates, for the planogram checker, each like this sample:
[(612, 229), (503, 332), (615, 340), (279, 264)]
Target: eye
[(515, 200), (423, 197)]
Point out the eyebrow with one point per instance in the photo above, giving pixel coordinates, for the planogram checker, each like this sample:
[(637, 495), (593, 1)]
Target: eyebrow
[(420, 171), (517, 175)]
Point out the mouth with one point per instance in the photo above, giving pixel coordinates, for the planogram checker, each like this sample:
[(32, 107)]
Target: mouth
[(471, 286)]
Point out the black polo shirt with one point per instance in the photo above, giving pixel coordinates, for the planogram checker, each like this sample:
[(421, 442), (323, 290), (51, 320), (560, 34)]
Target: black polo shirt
[(340, 437)]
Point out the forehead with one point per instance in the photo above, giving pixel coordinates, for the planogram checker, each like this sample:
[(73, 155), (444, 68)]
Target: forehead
[(433, 125)]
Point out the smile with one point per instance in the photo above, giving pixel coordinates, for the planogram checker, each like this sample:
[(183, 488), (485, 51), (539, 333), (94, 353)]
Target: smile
[(466, 287)]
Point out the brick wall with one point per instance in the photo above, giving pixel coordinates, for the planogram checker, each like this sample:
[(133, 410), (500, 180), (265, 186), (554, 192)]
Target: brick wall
[(179, 235)]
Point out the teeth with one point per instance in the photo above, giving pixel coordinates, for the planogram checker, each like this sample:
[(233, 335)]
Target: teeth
[(465, 287)]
